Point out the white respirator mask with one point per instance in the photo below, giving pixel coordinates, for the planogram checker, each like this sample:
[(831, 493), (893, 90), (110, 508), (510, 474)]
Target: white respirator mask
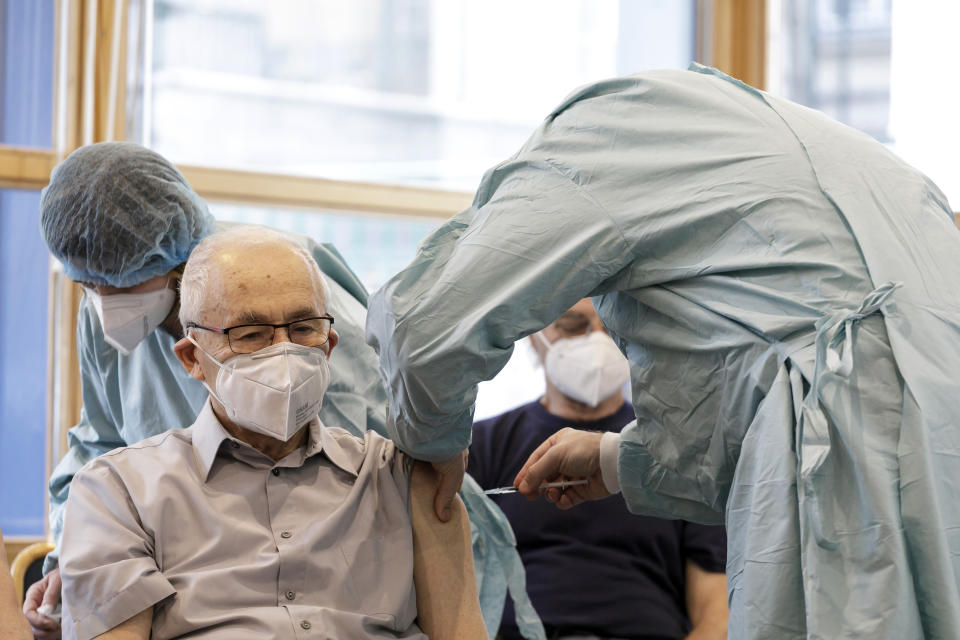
[(274, 391), (128, 318), (587, 368)]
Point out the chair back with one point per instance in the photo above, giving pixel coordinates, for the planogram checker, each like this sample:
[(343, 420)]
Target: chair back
[(27, 567)]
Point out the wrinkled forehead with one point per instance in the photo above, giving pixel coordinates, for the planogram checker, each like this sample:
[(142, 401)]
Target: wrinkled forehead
[(269, 285)]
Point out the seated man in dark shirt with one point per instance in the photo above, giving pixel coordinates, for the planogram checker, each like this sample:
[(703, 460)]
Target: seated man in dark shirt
[(598, 570)]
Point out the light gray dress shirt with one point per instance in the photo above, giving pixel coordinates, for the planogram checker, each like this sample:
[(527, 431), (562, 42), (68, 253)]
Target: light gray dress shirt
[(225, 543)]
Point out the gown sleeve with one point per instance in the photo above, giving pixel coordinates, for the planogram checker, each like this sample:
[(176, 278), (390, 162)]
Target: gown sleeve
[(531, 245), (95, 434)]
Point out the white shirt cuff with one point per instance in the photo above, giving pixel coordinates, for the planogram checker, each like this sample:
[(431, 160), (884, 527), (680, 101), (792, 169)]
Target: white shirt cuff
[(609, 453)]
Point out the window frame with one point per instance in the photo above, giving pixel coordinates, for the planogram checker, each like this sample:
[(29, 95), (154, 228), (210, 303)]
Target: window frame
[(90, 94)]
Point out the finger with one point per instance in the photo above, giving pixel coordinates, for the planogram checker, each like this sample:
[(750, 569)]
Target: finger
[(34, 595), (567, 502), (41, 622), (552, 495), (52, 594), (548, 466), (446, 490), (535, 457), (462, 471)]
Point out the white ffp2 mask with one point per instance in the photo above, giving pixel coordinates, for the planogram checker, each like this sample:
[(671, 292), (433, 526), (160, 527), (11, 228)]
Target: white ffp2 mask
[(587, 368), (128, 318), (274, 391)]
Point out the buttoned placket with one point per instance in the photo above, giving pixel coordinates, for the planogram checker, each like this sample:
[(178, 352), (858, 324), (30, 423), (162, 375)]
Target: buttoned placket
[(289, 577)]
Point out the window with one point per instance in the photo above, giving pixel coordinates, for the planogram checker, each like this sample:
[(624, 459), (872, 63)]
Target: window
[(23, 364), (375, 247), (26, 65), (363, 123), (422, 92), (26, 102), (878, 65)]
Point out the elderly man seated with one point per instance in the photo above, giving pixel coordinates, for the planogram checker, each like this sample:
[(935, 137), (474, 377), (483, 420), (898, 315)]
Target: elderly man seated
[(259, 521)]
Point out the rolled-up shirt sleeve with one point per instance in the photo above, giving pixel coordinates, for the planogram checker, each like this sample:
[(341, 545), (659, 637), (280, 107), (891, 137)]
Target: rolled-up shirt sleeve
[(107, 558), (706, 546)]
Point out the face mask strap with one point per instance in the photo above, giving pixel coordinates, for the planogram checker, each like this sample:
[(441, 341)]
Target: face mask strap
[(204, 351), (219, 364), (543, 340)]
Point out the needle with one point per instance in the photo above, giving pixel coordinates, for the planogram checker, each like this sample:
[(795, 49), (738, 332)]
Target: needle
[(546, 485)]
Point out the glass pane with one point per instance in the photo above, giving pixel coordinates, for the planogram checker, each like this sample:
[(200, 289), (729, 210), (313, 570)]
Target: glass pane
[(880, 66), (26, 72), (375, 247), (23, 364), (835, 57), (428, 92)]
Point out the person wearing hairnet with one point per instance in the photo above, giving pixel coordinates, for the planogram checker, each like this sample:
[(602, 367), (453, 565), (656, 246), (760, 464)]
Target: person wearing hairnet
[(122, 221), (786, 290)]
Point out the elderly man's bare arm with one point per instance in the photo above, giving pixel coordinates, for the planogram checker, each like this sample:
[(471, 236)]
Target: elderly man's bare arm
[(448, 605), (14, 625), (136, 628)]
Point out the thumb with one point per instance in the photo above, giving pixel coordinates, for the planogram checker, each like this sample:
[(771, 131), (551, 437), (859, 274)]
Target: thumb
[(446, 490), (548, 466)]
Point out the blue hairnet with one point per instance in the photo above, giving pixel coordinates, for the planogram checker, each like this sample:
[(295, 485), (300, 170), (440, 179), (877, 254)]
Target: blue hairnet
[(118, 214)]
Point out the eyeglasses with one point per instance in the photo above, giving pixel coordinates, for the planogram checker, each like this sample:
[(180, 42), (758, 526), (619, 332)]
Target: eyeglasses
[(247, 338), (572, 323)]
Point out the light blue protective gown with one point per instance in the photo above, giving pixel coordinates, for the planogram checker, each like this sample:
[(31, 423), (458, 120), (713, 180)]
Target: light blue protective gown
[(788, 294), (129, 398)]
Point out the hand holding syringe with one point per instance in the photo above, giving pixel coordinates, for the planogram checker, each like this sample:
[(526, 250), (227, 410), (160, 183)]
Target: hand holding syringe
[(563, 484)]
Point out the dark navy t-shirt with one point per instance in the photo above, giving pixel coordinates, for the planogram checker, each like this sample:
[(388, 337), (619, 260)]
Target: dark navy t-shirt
[(596, 568)]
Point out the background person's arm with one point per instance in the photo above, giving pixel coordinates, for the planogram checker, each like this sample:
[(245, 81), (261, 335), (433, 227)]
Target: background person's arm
[(14, 626), (136, 628), (706, 603), (448, 606)]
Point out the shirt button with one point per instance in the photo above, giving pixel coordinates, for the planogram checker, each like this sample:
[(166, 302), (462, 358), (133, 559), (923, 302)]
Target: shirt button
[(291, 595), (285, 534), (305, 624), (276, 472)]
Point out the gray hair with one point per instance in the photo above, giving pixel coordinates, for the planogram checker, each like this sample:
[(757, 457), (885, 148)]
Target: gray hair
[(197, 273)]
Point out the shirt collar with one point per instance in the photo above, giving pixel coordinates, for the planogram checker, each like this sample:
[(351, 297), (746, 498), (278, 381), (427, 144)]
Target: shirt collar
[(330, 445), (209, 435)]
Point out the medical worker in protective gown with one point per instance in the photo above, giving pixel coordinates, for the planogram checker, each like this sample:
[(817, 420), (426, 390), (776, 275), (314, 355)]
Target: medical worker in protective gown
[(788, 294)]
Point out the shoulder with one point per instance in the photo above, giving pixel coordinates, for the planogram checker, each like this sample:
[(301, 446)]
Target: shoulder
[(150, 457), (354, 444), (706, 545), (360, 450), (508, 420)]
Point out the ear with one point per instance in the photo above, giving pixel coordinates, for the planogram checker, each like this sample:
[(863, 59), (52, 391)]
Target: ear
[(187, 354), (332, 340)]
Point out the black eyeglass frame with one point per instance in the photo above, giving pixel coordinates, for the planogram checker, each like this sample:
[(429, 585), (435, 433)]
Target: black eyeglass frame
[(282, 325)]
